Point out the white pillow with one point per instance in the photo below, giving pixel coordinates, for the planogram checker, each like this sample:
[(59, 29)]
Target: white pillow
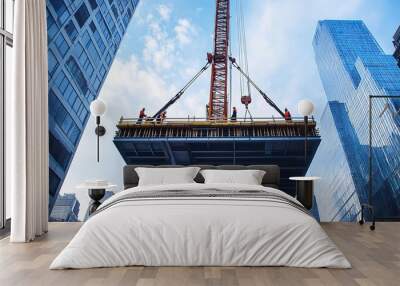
[(166, 176), (248, 177)]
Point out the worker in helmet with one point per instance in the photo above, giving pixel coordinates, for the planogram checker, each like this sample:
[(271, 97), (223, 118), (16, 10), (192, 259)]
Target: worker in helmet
[(142, 115), (288, 116), (163, 116), (234, 114), (158, 118)]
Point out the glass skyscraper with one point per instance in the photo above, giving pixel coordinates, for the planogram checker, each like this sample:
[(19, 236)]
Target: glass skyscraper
[(83, 38), (396, 42), (353, 66), (66, 209)]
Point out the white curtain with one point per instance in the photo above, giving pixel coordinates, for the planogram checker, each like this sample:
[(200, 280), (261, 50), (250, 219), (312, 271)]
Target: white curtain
[(28, 123)]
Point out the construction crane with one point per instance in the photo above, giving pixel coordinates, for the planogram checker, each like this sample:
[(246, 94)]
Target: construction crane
[(220, 140), (218, 103), (217, 108)]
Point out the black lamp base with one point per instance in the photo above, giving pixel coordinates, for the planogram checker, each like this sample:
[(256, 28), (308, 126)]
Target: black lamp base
[(304, 193), (100, 130), (96, 195)]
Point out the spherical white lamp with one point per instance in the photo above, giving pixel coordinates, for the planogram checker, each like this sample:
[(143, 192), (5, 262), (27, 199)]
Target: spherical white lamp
[(98, 108), (305, 107)]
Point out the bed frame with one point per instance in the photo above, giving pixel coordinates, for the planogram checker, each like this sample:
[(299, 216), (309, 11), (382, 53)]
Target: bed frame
[(270, 179)]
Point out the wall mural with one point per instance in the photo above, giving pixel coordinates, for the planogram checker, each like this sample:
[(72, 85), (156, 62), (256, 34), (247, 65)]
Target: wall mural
[(133, 55)]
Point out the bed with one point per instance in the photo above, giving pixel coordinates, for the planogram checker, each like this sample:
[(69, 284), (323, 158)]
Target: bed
[(201, 224)]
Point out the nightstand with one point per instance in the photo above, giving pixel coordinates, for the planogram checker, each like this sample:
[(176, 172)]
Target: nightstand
[(304, 190)]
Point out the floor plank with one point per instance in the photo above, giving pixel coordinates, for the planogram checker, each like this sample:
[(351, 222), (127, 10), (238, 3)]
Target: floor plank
[(375, 257)]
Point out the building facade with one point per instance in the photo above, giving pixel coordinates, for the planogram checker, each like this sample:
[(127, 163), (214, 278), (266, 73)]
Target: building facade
[(353, 66), (83, 38), (66, 209), (396, 42), (333, 149)]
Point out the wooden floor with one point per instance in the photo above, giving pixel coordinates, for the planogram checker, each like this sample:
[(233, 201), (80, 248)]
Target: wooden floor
[(375, 257)]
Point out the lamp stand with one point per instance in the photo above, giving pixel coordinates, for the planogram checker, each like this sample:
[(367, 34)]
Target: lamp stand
[(305, 141), (98, 137), (100, 131)]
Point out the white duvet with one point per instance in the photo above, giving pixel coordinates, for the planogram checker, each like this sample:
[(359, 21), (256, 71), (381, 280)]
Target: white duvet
[(200, 231)]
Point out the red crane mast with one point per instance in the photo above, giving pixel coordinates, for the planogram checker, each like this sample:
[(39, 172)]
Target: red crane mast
[(218, 103)]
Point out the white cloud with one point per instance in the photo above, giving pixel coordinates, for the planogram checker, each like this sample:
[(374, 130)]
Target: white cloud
[(164, 11), (159, 48), (184, 31), (133, 85), (149, 17)]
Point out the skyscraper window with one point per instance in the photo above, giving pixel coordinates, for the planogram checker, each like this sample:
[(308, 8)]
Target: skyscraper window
[(52, 28), (90, 47), (93, 4), (53, 63), (115, 11), (71, 31), (77, 74), (97, 37), (81, 15), (62, 45), (61, 10), (54, 181), (396, 42), (110, 22), (120, 7), (60, 154), (103, 26), (64, 120)]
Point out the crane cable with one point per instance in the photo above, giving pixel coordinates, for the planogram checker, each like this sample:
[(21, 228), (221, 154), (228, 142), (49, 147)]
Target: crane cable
[(230, 71), (239, 44), (244, 82), (242, 47)]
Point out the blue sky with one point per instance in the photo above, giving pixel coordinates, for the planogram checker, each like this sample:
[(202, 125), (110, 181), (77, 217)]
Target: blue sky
[(279, 34), (166, 44)]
